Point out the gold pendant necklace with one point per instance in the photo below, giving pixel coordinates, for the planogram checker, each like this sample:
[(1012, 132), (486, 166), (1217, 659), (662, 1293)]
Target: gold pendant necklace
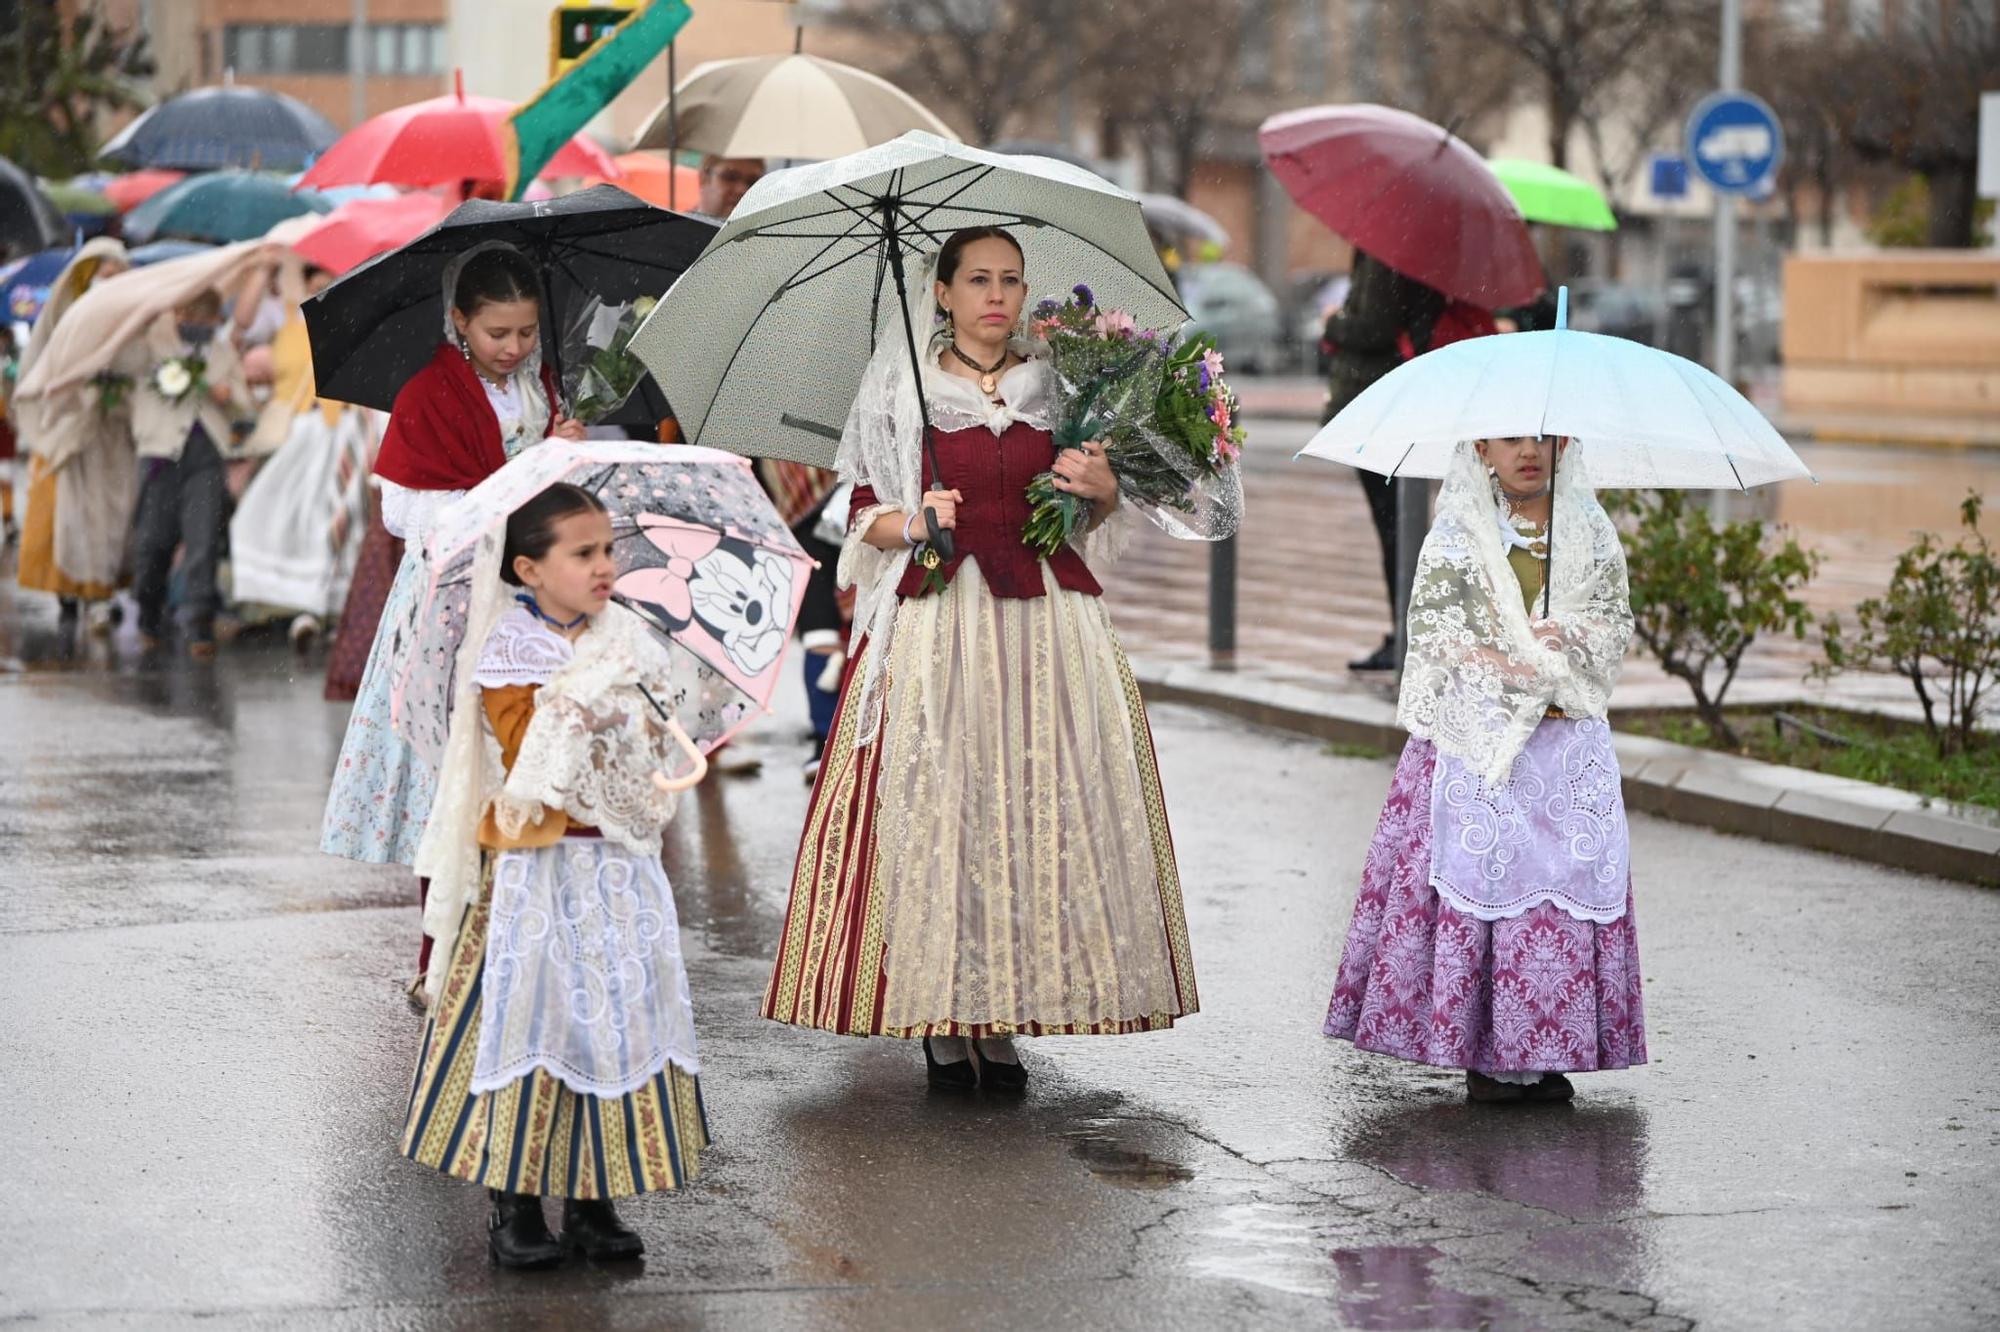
[(989, 375)]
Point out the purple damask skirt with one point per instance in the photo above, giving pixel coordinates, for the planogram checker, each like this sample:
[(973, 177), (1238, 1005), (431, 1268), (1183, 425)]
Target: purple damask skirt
[(1422, 980)]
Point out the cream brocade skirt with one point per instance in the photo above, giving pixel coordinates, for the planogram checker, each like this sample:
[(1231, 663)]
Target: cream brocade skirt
[(1018, 861)]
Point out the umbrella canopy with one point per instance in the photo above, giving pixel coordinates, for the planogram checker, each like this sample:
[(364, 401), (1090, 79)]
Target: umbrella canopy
[(702, 557), (25, 283), (220, 206), (79, 201), (29, 221), (762, 345), (652, 177), (798, 107), (1553, 196), (443, 141), (160, 252), (133, 188), (1180, 219), (1410, 193), (213, 129), (377, 326), (1642, 417), (356, 232)]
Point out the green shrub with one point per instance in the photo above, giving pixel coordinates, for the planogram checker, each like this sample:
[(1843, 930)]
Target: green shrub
[(1703, 591), (1937, 626)]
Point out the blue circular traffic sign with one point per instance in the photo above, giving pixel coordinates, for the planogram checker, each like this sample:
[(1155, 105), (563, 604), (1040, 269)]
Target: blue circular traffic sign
[(1735, 142)]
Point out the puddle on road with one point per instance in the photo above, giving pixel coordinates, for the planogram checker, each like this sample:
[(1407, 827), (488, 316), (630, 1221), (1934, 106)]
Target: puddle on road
[(1127, 1167), (1391, 1288)]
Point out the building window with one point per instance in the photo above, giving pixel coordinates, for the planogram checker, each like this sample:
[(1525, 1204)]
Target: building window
[(321, 48)]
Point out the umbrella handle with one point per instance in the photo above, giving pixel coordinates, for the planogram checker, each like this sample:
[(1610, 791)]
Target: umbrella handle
[(687, 746), (940, 538)]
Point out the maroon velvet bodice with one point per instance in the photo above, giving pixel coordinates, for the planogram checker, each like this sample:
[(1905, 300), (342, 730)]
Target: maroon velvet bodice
[(993, 475)]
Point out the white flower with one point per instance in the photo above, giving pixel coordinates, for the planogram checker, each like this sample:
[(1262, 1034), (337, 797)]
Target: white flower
[(173, 379)]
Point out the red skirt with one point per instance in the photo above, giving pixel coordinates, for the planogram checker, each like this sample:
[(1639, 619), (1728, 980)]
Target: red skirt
[(374, 574)]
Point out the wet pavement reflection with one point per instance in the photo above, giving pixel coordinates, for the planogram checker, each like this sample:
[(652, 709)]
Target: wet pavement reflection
[(208, 1050)]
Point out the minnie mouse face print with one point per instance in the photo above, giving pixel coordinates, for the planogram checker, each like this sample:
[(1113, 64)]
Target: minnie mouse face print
[(716, 592)]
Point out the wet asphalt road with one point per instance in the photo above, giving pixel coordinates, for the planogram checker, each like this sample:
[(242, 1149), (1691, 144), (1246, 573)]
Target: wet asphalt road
[(206, 1049)]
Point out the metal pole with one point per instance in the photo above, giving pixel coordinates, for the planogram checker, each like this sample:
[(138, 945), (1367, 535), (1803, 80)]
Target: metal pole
[(1413, 521), (357, 64), (673, 132), (1729, 78), (1222, 601)]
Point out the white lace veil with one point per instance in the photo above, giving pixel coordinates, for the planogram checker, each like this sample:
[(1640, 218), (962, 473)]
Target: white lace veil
[(1477, 681), (535, 406), (470, 774)]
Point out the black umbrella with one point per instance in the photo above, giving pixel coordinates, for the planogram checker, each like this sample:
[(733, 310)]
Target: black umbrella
[(212, 129), (29, 221), (381, 323)]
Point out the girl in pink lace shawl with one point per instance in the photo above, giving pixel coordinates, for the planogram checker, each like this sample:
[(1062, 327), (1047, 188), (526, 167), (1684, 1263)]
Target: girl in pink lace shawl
[(1493, 931)]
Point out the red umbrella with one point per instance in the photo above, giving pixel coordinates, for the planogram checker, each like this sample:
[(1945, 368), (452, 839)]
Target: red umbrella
[(360, 229), (443, 141), (128, 191), (1410, 193)]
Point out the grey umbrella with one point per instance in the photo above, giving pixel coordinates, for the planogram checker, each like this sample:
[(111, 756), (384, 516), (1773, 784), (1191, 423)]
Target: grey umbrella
[(762, 343), (29, 221)]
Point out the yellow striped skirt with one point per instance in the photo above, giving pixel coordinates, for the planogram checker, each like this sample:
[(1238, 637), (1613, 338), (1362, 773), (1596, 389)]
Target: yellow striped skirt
[(536, 1135)]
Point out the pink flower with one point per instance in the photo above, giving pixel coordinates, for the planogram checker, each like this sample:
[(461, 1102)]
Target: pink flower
[(1115, 323), (1213, 360)]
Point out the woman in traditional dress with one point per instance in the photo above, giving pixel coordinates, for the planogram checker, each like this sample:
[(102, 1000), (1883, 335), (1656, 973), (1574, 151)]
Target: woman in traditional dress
[(987, 852), (83, 475), (483, 398), (1493, 931), (298, 529), (559, 1060)]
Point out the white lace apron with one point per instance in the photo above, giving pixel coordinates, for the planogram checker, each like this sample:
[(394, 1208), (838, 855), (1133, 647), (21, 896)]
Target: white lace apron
[(584, 976)]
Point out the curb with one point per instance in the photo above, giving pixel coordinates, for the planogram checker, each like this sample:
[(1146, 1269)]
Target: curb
[(1787, 806)]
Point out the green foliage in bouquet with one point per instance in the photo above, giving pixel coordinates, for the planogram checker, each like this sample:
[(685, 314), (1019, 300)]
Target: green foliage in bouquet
[(612, 371)]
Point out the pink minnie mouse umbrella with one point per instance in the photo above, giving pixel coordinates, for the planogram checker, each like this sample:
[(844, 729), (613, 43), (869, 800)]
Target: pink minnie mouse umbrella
[(703, 558)]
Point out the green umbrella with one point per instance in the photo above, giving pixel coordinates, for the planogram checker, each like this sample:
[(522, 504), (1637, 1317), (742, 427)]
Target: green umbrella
[(219, 206), (1549, 194), (79, 200)]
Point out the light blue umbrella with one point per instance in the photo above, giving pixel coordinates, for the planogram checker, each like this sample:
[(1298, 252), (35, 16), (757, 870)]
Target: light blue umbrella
[(1638, 416)]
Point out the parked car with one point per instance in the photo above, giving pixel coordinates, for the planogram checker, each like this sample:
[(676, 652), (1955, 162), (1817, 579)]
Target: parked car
[(1600, 305), (1232, 304)]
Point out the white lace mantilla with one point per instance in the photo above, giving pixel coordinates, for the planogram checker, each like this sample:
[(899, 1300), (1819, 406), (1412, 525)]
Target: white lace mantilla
[(1553, 831), (1479, 678), (594, 742)]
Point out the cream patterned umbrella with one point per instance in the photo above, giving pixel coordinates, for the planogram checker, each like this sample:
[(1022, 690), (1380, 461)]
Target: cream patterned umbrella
[(798, 107)]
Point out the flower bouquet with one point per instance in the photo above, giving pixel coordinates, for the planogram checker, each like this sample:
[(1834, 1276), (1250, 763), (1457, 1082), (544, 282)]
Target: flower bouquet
[(605, 369), (1160, 406), (180, 377), (112, 389)]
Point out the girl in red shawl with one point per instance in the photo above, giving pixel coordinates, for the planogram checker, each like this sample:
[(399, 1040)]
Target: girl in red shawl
[(483, 398)]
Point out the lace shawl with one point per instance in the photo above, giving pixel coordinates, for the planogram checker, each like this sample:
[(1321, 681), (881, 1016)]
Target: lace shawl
[(1478, 679), (595, 742), (882, 446)]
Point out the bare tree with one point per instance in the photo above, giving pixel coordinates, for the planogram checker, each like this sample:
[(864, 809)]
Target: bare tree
[(1168, 82), (991, 59), (1908, 94), (1579, 54)]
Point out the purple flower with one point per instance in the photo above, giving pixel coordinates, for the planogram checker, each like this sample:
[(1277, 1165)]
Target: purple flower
[(1203, 377), (1046, 307), (1083, 294)]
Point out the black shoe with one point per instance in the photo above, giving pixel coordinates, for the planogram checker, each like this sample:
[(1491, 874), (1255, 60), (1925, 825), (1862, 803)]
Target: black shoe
[(996, 1076), (1381, 659), (1552, 1087), (518, 1236), (958, 1075), (592, 1224)]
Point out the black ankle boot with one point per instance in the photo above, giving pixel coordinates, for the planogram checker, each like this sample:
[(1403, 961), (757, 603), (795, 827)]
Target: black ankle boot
[(517, 1236), (592, 1224)]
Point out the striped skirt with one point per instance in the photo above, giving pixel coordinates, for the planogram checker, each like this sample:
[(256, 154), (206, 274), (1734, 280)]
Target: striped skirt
[(536, 1135)]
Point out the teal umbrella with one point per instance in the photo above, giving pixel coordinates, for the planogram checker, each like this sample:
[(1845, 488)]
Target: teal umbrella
[(1549, 194), (221, 207)]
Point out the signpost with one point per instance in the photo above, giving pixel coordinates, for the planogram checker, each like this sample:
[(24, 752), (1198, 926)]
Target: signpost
[(1734, 142)]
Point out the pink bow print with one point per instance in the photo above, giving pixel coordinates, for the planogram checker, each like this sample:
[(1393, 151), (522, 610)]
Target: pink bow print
[(682, 543)]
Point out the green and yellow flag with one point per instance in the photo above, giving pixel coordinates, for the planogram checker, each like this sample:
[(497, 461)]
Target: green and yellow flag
[(547, 121)]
